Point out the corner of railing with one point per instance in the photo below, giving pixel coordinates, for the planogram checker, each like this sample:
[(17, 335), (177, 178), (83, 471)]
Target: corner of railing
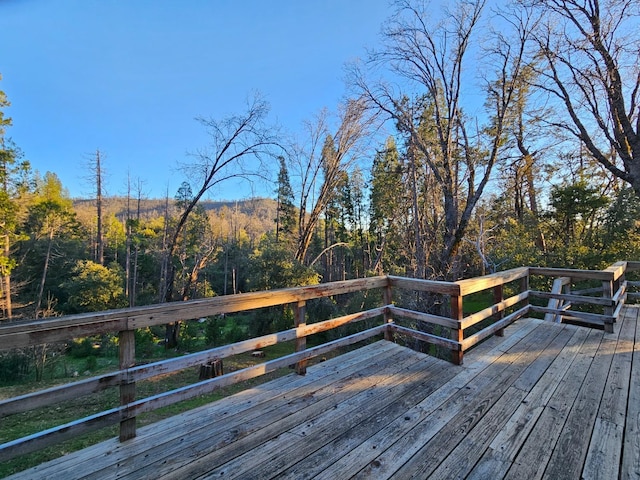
[(457, 333)]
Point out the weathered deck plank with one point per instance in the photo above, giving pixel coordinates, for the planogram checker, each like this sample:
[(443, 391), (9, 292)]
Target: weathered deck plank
[(528, 391), (226, 438), (605, 449), (568, 457), (164, 438), (359, 457), (534, 454), (440, 447), (373, 392), (545, 401), (374, 406), (435, 436), (500, 455), (631, 449)]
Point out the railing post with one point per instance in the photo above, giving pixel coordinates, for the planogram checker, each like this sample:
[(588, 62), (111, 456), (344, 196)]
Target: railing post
[(498, 297), (127, 353), (524, 287), (617, 283), (387, 296), (300, 310), (457, 334), (607, 292)]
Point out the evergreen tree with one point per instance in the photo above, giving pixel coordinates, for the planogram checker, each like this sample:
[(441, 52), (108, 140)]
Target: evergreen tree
[(49, 216), (14, 184), (387, 191), (285, 214)]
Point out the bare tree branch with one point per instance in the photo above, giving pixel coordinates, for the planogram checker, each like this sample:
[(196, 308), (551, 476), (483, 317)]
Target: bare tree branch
[(432, 58), (591, 53)]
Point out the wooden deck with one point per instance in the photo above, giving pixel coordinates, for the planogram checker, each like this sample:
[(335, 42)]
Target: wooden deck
[(544, 401)]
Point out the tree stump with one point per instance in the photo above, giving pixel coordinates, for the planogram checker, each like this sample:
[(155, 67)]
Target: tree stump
[(211, 369)]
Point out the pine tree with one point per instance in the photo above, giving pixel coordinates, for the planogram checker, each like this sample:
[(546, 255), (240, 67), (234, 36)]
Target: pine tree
[(385, 200), (14, 182), (50, 214), (285, 214)]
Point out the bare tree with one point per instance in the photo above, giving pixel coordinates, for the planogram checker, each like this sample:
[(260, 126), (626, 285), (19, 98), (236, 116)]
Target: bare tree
[(459, 150), (320, 166), (526, 164), (132, 241), (590, 52), (233, 140)]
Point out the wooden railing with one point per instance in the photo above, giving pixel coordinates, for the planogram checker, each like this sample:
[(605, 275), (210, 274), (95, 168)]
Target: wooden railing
[(450, 328)]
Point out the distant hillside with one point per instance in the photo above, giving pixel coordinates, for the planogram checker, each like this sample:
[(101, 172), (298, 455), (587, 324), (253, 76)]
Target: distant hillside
[(252, 217), (150, 208)]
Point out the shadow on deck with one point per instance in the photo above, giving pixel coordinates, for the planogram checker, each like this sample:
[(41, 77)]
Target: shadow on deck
[(546, 400)]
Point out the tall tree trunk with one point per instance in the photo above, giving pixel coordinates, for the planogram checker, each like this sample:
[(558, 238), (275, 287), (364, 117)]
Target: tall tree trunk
[(99, 232), (44, 274), (127, 267), (164, 267), (420, 260), (7, 281)]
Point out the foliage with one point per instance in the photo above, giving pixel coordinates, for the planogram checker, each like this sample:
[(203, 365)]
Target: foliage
[(286, 215), (146, 342), (386, 204), (93, 288), (420, 209), (15, 366), (274, 266), (83, 347), (50, 226), (450, 156), (15, 183)]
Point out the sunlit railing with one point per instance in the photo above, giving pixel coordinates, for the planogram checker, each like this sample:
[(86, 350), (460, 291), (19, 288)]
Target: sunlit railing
[(451, 327)]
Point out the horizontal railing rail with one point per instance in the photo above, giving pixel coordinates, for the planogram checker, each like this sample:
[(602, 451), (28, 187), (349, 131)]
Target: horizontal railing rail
[(61, 393), (452, 328), (25, 333)]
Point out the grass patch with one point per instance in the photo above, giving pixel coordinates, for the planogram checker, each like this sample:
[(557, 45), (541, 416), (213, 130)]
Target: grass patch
[(477, 301)]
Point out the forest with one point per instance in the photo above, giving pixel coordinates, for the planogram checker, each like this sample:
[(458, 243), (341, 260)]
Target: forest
[(463, 149)]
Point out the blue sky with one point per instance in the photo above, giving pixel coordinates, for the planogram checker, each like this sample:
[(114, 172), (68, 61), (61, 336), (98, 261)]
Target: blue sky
[(129, 77)]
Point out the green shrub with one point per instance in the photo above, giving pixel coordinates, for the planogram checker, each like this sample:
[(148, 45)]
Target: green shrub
[(146, 342), (213, 330), (15, 366), (191, 335), (234, 332), (81, 348), (91, 363)]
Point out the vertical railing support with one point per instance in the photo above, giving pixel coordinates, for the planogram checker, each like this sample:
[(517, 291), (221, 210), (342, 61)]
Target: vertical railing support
[(524, 287), (388, 299), (457, 334), (300, 311), (498, 297), (607, 292), (617, 283), (555, 303), (127, 354)]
